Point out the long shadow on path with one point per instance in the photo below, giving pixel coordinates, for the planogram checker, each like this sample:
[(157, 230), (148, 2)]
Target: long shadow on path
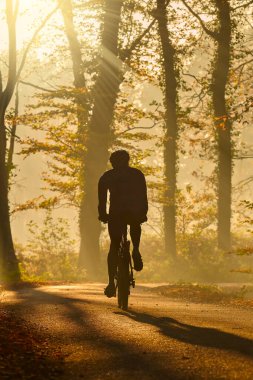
[(195, 335), (112, 357)]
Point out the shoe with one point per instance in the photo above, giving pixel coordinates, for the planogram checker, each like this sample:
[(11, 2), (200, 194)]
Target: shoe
[(138, 264), (110, 291)]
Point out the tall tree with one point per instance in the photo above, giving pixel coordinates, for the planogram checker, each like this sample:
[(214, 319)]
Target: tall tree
[(95, 113), (96, 130), (99, 131), (8, 259), (98, 135), (223, 123), (171, 127), (220, 79)]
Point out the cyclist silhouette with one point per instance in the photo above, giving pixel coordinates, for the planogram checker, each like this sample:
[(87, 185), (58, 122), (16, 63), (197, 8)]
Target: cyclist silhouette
[(128, 205)]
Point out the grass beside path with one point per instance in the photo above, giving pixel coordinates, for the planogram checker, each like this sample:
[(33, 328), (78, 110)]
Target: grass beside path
[(237, 296)]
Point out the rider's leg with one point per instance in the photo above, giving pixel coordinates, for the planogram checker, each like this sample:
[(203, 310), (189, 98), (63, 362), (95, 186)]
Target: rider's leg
[(114, 230), (112, 264), (135, 233)]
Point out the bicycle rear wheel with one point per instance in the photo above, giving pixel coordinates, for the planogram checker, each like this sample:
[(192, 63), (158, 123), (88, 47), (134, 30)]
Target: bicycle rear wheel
[(123, 277), (123, 284)]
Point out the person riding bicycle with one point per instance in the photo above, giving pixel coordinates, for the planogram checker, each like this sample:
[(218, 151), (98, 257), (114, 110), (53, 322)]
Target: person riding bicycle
[(128, 205)]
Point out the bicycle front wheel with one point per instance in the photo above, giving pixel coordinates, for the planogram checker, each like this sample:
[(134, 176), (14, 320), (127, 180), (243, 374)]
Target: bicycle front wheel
[(123, 285)]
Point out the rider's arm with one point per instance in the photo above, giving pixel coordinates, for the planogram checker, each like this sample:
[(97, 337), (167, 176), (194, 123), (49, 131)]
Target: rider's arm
[(145, 197), (102, 199)]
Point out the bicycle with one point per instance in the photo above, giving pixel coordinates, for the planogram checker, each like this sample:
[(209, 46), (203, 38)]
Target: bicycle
[(124, 275)]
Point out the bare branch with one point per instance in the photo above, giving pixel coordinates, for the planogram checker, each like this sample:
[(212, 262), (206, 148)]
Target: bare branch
[(125, 54), (74, 44), (243, 64), (5, 63), (37, 31), (243, 157), (208, 31), (35, 86), (244, 182), (134, 128), (242, 5), (192, 76)]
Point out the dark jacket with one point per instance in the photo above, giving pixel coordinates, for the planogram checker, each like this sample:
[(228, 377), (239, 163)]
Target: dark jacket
[(128, 194)]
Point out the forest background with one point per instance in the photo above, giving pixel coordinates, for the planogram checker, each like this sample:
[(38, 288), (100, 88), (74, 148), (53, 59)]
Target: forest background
[(170, 81)]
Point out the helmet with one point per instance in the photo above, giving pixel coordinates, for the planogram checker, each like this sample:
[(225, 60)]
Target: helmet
[(119, 158)]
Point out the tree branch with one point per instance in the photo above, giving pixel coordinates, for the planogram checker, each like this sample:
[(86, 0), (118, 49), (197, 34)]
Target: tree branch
[(141, 128), (208, 31), (244, 182), (243, 64), (243, 157), (11, 23), (35, 86), (242, 5), (192, 76), (37, 31), (125, 54), (74, 44)]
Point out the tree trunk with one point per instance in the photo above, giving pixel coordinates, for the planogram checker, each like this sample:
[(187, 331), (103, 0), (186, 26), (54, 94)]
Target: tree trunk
[(99, 130), (171, 132), (8, 260), (223, 124), (78, 67), (13, 134)]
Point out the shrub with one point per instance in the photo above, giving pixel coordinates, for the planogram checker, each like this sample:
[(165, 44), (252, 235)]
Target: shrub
[(50, 253)]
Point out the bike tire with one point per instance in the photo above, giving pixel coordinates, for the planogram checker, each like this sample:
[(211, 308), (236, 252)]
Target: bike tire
[(123, 285)]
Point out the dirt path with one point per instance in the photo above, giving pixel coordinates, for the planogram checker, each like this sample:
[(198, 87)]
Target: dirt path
[(158, 338)]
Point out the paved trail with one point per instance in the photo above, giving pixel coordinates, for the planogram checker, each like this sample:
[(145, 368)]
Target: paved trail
[(158, 338)]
